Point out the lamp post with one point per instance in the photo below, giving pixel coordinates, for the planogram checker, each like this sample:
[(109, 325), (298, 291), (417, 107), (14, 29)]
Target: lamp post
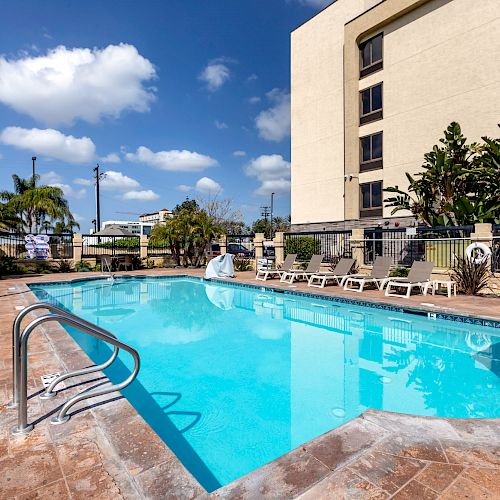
[(272, 206), (33, 159)]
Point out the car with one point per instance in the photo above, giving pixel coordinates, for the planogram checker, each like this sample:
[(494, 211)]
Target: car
[(238, 250)]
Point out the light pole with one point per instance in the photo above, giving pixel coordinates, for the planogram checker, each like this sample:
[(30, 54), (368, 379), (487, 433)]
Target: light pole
[(272, 206), (33, 159)]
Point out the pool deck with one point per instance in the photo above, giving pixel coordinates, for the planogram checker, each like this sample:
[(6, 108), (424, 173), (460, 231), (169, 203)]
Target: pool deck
[(106, 450)]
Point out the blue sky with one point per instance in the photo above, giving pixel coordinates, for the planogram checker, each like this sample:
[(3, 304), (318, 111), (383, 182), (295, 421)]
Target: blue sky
[(173, 98)]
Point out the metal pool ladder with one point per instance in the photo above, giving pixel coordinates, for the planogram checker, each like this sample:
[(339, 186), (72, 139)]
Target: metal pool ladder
[(20, 364)]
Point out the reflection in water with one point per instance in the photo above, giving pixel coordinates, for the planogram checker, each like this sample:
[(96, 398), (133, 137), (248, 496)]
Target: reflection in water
[(233, 377)]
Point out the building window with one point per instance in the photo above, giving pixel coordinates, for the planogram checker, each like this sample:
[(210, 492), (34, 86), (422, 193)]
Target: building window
[(371, 104), (370, 152), (371, 199), (371, 55)]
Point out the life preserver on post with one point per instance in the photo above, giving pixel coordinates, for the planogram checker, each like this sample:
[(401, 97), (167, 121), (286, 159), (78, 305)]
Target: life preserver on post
[(477, 252)]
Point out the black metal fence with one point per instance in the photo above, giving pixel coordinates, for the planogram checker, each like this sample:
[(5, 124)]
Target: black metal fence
[(241, 244), (440, 245), (495, 257), (158, 248), (14, 245), (95, 246), (332, 244)]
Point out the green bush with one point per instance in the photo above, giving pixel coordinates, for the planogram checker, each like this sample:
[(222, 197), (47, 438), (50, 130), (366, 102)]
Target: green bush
[(65, 266), (304, 246), (128, 243), (9, 266), (471, 278), (400, 272), (97, 268), (243, 264), (82, 266)]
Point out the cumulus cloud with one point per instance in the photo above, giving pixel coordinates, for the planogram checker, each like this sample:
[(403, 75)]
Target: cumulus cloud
[(206, 185), (215, 73), (220, 125), (51, 143), (67, 84), (54, 179), (144, 195), (273, 124), (110, 158), (254, 100), (239, 153), (83, 182), (174, 160), (117, 181), (184, 188), (272, 171)]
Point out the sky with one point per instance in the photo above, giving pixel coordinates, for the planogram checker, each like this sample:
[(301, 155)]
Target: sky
[(173, 98)]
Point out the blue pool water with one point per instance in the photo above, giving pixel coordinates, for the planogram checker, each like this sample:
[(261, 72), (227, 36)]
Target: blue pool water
[(233, 377)]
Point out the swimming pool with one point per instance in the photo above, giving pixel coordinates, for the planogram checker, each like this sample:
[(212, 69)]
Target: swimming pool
[(233, 377)]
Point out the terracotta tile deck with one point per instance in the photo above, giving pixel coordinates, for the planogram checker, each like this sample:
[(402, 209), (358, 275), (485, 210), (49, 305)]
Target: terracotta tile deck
[(106, 450)]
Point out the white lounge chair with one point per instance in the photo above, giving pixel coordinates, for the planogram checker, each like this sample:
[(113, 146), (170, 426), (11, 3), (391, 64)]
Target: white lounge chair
[(263, 273), (296, 274), (419, 276), (379, 276), (339, 274)]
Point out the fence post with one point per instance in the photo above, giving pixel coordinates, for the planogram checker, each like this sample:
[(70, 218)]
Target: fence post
[(77, 247), (143, 246), (483, 233), (258, 242), (357, 246), (223, 244), (279, 248)]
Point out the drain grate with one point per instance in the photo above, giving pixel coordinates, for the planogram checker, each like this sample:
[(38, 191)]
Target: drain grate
[(49, 378)]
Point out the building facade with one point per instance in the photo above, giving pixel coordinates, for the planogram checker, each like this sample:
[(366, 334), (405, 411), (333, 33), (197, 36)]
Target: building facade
[(145, 224), (374, 84)]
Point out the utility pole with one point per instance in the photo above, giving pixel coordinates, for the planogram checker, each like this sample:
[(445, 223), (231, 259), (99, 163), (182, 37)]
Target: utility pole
[(265, 212), (272, 206), (97, 198), (33, 159)]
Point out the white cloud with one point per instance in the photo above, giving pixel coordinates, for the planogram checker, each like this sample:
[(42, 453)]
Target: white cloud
[(273, 124), (215, 74), (51, 143), (83, 182), (54, 179), (80, 83), (252, 77), (220, 125), (110, 158), (174, 160), (145, 195), (116, 181), (273, 172), (208, 186), (239, 153), (254, 100), (184, 188), (50, 177)]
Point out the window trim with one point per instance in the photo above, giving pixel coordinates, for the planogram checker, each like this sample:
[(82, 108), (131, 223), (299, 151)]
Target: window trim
[(373, 164), (374, 66), (372, 115), (372, 211)]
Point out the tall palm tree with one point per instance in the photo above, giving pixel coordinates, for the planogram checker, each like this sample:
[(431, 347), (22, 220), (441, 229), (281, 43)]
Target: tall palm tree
[(33, 204)]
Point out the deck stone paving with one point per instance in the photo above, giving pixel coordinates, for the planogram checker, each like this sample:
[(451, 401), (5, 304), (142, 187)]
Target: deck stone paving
[(106, 450)]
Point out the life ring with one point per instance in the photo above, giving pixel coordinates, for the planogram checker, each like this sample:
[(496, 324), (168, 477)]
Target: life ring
[(477, 252)]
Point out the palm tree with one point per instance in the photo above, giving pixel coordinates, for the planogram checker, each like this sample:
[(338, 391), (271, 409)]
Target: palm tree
[(33, 204), (8, 217)]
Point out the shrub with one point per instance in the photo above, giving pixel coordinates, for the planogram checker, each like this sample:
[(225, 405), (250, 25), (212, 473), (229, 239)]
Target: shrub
[(82, 266), (304, 246), (400, 272), (9, 266), (98, 268), (64, 266), (471, 278), (243, 264)]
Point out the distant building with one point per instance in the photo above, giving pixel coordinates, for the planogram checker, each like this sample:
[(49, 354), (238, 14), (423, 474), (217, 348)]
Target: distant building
[(156, 217), (144, 225), (373, 85)]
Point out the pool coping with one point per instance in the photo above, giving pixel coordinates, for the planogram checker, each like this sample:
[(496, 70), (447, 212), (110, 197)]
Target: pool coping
[(305, 467)]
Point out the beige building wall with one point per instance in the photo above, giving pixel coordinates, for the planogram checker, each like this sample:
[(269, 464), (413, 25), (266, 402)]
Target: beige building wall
[(318, 113), (441, 63)]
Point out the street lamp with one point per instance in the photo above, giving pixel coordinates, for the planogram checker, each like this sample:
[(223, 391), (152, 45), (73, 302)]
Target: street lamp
[(272, 205), (33, 159)]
